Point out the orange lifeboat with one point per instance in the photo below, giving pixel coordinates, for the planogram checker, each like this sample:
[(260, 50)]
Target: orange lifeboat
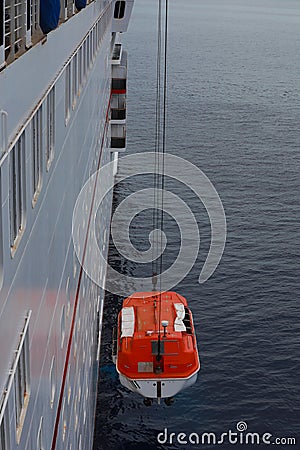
[(156, 350)]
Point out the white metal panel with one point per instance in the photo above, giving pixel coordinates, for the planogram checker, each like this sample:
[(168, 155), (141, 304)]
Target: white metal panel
[(121, 25)]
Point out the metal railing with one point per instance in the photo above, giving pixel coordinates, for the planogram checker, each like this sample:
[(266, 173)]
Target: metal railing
[(33, 26), (14, 28), (20, 25), (67, 9)]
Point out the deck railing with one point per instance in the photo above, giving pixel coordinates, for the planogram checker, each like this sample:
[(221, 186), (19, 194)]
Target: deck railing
[(14, 28), (19, 28), (20, 25)]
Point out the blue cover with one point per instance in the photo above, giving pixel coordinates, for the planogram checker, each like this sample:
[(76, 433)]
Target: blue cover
[(49, 15), (80, 4)]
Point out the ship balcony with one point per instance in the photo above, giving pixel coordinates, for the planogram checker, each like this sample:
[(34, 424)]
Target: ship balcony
[(118, 108), (119, 76), (118, 137)]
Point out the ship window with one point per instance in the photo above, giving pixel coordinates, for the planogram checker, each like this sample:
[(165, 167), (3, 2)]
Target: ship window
[(68, 94), (99, 32), (40, 440), (88, 48), (97, 35), (52, 381), (75, 81), (1, 240), (22, 380), (63, 326), (95, 38), (64, 422), (75, 413), (69, 385), (68, 296), (79, 69), (84, 58), (17, 191), (87, 55), (37, 144), (4, 430), (91, 48), (92, 45), (1, 30), (50, 139), (119, 10), (79, 389)]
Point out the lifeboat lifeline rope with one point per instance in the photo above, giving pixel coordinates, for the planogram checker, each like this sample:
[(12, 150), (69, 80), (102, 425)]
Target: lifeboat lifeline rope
[(160, 138)]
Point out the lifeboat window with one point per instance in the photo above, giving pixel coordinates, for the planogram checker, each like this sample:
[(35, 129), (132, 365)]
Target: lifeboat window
[(167, 347), (119, 9), (154, 345)]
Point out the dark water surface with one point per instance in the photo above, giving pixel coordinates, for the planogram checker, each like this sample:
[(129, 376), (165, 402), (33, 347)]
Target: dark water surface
[(233, 110)]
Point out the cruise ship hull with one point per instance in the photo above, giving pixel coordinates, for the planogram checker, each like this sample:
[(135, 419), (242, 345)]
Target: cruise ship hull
[(55, 133)]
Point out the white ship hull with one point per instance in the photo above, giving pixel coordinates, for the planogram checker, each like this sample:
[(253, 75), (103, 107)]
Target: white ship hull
[(50, 311)]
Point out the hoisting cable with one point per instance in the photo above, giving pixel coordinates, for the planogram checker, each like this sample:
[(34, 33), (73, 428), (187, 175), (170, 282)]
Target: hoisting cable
[(155, 218), (164, 123)]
